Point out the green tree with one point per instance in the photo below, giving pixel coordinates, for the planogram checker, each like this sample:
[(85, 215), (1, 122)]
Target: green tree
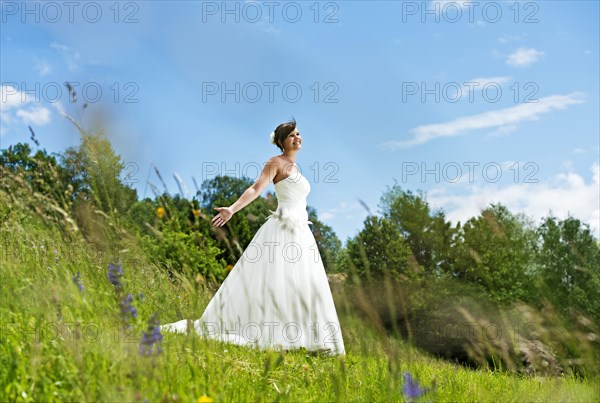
[(428, 234), (40, 170), (142, 214), (96, 172), (497, 252), (328, 243), (569, 264), (377, 249)]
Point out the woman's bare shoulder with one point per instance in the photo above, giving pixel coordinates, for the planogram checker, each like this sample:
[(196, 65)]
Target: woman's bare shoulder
[(277, 161), (274, 165), (276, 158), (279, 165)]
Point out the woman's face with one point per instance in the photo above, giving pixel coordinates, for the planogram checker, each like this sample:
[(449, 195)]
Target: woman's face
[(293, 141)]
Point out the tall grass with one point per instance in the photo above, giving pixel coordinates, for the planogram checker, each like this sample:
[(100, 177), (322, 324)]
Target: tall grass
[(61, 343), (71, 332)]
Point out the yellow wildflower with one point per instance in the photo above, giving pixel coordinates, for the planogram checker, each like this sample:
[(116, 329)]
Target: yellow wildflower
[(204, 399), (160, 212), (229, 267), (196, 212)]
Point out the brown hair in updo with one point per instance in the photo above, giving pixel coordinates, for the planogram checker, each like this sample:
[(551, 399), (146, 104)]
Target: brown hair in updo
[(282, 131)]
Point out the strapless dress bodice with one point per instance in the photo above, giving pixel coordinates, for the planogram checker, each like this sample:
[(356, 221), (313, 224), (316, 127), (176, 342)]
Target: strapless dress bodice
[(291, 194)]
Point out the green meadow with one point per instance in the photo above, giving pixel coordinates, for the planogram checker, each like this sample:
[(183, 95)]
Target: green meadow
[(75, 330), (63, 344)]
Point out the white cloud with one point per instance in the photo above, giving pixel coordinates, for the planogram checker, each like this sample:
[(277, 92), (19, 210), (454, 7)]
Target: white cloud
[(37, 116), (15, 104), (489, 80), (478, 84), (502, 118), (41, 66), (59, 108), (326, 216), (503, 131), (11, 97), (71, 56), (563, 194), (453, 10), (509, 38), (348, 208), (524, 57)]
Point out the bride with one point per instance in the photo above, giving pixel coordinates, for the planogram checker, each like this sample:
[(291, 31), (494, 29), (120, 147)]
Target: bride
[(277, 295)]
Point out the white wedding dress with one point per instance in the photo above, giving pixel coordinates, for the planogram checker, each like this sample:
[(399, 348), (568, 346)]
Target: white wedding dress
[(277, 295)]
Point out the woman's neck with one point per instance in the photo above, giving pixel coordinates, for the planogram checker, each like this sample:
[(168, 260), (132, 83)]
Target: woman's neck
[(291, 156)]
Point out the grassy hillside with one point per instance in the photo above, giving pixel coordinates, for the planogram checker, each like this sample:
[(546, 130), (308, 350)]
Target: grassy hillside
[(64, 334)]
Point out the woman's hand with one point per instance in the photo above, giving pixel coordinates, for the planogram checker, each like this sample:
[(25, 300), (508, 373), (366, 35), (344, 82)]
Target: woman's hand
[(225, 213), (266, 176)]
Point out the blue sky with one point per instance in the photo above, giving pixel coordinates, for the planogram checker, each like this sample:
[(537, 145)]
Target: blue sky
[(498, 99)]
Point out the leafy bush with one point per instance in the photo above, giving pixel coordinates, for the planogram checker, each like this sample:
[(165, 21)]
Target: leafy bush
[(190, 253), (378, 249)]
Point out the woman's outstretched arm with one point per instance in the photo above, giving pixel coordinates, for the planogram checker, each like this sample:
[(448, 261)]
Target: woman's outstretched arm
[(249, 195)]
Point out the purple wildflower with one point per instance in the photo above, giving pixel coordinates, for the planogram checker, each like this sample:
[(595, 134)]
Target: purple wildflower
[(151, 337), (127, 308), (77, 280), (411, 388), (115, 275)]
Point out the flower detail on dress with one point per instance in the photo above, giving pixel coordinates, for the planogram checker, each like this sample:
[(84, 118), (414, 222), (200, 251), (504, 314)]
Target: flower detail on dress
[(290, 218)]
